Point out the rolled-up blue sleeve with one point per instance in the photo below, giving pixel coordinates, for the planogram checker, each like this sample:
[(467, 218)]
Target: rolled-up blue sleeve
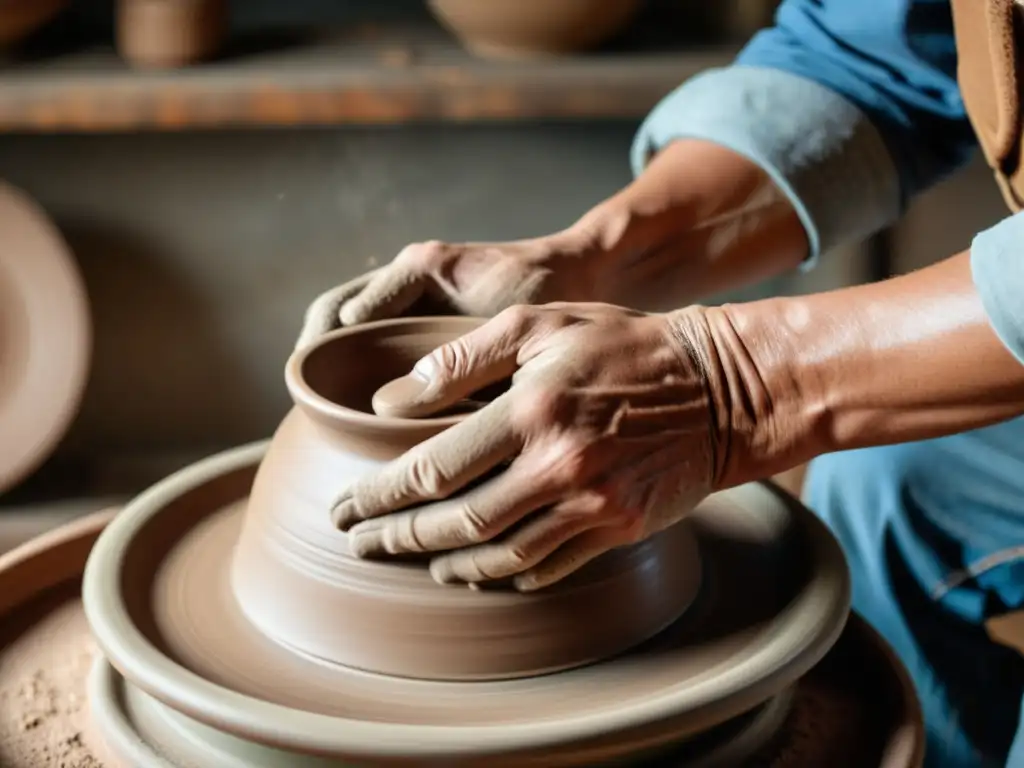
[(997, 266), (851, 108)]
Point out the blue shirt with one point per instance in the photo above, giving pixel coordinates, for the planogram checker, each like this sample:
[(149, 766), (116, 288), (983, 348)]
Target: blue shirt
[(852, 107)]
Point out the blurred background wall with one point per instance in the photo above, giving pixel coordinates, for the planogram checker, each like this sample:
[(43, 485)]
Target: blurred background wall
[(201, 249)]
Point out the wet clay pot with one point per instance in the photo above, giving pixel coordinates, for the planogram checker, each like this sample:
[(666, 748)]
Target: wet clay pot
[(295, 579), (518, 29)]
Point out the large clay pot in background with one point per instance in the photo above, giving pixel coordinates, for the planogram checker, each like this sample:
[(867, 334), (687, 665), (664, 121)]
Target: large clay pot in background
[(295, 579), (20, 18), (162, 34), (527, 28)]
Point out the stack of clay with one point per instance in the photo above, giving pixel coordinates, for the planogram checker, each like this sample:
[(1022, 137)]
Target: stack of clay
[(236, 629)]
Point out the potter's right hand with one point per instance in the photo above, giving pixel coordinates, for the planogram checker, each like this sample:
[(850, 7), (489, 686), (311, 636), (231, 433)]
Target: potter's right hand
[(616, 424), (476, 279)]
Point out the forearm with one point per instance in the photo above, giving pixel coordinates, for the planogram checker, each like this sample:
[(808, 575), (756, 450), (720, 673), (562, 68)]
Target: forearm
[(742, 173), (699, 219), (910, 358)]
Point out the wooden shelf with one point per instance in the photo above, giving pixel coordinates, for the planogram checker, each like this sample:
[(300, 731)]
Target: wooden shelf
[(377, 76)]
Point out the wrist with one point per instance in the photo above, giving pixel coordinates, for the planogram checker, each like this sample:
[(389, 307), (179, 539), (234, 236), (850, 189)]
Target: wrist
[(626, 241), (699, 220), (764, 418), (910, 358)]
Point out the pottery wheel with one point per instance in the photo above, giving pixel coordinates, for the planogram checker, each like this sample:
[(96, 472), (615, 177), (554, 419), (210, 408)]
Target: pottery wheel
[(157, 594), (855, 708)]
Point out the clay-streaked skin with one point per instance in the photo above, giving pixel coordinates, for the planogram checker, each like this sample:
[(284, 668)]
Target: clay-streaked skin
[(699, 220), (607, 427), (295, 576), (784, 379)]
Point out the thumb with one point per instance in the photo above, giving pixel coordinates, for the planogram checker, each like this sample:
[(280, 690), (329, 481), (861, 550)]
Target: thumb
[(450, 373)]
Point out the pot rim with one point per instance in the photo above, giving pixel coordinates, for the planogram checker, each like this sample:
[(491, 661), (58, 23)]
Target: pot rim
[(307, 398), (813, 622)]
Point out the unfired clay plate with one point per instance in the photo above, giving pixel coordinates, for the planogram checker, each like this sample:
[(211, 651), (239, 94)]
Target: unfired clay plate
[(45, 336), (158, 599)]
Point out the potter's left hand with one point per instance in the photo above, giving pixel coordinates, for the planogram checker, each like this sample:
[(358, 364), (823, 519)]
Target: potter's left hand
[(615, 426)]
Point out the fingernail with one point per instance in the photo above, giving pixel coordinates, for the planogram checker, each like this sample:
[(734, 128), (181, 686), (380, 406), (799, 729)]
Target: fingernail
[(525, 583), (441, 571), (343, 514), (398, 397), (366, 543), (425, 368)]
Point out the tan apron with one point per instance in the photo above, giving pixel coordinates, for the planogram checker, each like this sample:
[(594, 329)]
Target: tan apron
[(989, 73)]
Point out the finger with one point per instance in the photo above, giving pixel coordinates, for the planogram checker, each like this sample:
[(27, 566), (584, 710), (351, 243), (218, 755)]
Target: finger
[(571, 557), (391, 292), (524, 548), (465, 521), (434, 469), (459, 368), (322, 314)]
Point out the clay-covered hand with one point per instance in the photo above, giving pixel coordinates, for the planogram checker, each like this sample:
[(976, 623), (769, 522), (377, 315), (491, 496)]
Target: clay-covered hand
[(475, 279), (607, 434)]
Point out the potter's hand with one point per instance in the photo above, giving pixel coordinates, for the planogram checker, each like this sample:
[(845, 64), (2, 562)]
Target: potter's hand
[(476, 279), (610, 426)]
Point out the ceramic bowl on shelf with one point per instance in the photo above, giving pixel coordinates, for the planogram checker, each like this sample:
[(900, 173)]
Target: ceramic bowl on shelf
[(528, 28), (165, 34)]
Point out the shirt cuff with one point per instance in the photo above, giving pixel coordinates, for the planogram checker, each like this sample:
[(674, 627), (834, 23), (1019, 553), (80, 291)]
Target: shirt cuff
[(821, 151), (997, 267)]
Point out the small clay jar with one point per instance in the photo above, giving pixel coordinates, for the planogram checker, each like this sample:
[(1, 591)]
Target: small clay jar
[(163, 34), (512, 29), (296, 581)]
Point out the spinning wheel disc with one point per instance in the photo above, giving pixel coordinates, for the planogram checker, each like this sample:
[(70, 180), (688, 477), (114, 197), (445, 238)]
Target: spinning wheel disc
[(156, 592)]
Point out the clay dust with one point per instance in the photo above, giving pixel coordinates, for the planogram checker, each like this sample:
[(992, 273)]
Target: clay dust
[(45, 655)]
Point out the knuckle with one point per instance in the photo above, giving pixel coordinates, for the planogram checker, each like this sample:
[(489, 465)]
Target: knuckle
[(515, 559), (392, 541), (475, 527), (567, 471), (538, 407), (452, 360), (518, 319), (426, 479), (423, 255), (565, 465)]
